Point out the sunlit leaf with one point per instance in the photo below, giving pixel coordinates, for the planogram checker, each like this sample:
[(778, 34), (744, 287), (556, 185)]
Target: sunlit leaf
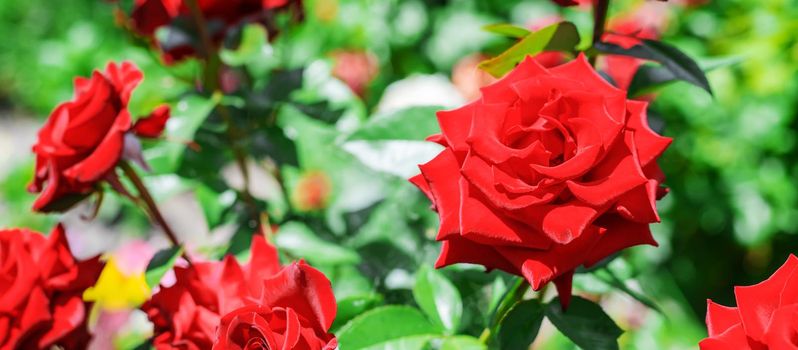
[(556, 37)]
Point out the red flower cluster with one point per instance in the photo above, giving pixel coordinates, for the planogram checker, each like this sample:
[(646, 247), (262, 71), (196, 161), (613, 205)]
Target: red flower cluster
[(551, 169), (228, 306), (766, 316), (41, 288), (149, 15), (83, 139)]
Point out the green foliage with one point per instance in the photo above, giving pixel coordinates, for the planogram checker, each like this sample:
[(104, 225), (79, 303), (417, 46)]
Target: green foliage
[(396, 327), (585, 323), (556, 37), (438, 298), (520, 326)]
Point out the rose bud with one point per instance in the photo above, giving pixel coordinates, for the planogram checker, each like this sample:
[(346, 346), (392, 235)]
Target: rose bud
[(84, 139), (766, 316), (551, 169), (40, 294)]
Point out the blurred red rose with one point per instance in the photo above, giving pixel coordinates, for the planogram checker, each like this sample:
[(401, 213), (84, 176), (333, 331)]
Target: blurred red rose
[(551, 169), (355, 68), (150, 15), (84, 139), (312, 191), (766, 316), (187, 315), (41, 288)]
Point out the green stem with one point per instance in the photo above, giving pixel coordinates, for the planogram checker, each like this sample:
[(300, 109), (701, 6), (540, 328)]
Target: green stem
[(150, 207), (212, 84), (513, 296), (599, 23), (212, 61)]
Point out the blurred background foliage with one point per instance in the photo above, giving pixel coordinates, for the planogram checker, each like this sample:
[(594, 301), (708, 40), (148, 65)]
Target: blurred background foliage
[(730, 219)]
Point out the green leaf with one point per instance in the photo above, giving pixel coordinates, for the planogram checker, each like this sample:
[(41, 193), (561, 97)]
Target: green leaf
[(506, 29), (187, 116), (674, 62), (160, 263), (396, 157), (350, 307), (585, 323), (438, 298), (384, 324), (462, 342), (300, 241), (412, 123), (607, 276), (520, 326), (650, 77), (556, 37), (416, 342)]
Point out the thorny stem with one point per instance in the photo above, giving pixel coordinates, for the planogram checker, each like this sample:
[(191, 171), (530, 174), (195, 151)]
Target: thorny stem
[(150, 207), (599, 23)]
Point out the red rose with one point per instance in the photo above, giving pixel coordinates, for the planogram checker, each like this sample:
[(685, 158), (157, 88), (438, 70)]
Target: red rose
[(295, 312), (41, 288), (220, 15), (355, 68), (187, 314), (84, 138), (766, 316), (549, 170)]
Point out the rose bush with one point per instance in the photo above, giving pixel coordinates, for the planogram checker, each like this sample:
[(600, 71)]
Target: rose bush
[(766, 316), (41, 285), (84, 139), (258, 303), (551, 169)]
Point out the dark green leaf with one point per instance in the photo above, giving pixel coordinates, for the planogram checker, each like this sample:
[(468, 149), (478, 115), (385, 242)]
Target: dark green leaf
[(556, 37), (649, 77), (384, 324), (438, 298), (507, 29), (520, 326), (585, 323), (674, 61), (161, 262)]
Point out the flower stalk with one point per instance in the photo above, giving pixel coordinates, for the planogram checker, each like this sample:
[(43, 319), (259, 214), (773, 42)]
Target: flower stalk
[(145, 198)]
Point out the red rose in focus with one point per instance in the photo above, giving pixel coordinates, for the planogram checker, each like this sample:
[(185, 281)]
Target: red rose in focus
[(187, 315), (295, 311), (84, 139), (41, 288), (551, 169), (219, 15), (355, 68), (766, 316)]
